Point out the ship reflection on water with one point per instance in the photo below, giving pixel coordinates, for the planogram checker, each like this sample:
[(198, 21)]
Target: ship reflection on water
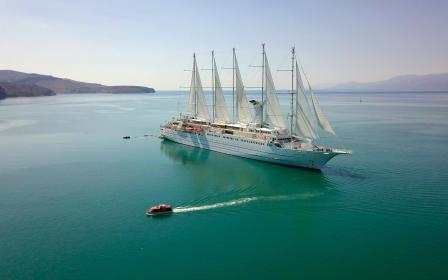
[(184, 154), (223, 171)]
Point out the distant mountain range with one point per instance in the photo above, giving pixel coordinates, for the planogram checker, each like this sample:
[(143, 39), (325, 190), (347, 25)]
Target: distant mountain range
[(406, 83), (16, 84)]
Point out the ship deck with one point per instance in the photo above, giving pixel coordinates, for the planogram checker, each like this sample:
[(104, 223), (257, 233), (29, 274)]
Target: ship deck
[(261, 135)]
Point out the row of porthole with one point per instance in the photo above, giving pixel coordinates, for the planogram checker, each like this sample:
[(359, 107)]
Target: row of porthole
[(246, 141)]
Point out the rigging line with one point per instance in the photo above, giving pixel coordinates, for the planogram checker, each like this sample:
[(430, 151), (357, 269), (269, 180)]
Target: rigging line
[(292, 92), (304, 73), (213, 86), (280, 66), (283, 62), (251, 73), (233, 84)]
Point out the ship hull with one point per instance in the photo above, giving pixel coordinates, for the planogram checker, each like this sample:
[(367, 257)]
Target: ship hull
[(256, 150)]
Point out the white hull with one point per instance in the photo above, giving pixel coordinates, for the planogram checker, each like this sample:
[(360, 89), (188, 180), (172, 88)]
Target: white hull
[(249, 148)]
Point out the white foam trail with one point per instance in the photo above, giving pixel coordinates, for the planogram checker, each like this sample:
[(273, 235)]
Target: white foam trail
[(243, 201)]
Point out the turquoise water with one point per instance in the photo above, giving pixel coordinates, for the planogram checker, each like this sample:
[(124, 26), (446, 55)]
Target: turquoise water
[(73, 195)]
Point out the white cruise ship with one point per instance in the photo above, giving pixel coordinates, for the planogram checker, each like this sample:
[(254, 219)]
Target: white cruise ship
[(263, 135)]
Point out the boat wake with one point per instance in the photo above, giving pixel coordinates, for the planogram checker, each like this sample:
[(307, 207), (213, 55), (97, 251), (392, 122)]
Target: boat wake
[(244, 200)]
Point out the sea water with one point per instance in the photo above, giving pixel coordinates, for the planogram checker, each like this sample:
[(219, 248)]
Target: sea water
[(73, 194)]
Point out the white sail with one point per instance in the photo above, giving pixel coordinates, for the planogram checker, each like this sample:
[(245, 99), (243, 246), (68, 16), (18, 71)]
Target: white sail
[(221, 114), (242, 106), (322, 120), (191, 107), (303, 126), (202, 111), (273, 113)]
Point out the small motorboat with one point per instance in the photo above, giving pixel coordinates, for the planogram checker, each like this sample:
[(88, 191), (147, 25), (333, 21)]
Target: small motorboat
[(159, 210), (126, 137)]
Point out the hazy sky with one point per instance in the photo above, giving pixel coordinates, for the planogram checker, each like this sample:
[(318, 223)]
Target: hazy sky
[(151, 42)]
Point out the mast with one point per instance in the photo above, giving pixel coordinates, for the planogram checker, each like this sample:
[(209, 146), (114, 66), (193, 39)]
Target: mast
[(233, 85), (292, 89), (262, 86), (213, 87)]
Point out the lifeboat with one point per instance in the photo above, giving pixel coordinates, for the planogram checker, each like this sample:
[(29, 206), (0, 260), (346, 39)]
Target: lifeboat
[(159, 210)]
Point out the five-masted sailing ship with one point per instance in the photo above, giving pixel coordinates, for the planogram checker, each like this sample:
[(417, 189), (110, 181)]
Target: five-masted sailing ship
[(263, 135)]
